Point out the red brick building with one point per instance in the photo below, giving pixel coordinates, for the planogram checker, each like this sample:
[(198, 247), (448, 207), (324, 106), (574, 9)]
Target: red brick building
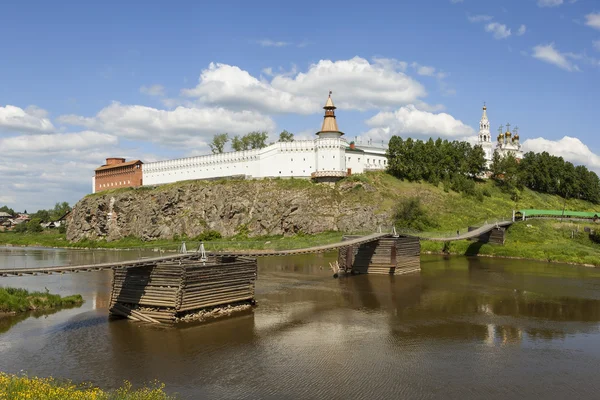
[(117, 173)]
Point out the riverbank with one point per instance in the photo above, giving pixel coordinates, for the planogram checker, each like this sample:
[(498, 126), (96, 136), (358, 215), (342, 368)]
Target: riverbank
[(239, 242), (542, 240), (25, 387), (13, 301)]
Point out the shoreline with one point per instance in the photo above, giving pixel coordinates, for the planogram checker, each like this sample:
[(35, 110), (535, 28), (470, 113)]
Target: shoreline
[(434, 253), (424, 252)]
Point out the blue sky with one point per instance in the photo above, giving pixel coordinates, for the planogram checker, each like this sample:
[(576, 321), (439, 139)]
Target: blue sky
[(81, 81)]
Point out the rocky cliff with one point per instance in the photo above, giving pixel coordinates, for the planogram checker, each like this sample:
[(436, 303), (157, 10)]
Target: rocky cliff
[(265, 207)]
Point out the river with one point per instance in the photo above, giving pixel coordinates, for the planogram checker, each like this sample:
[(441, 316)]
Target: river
[(465, 328)]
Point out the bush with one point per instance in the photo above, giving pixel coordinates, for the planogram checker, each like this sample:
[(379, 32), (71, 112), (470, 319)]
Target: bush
[(207, 236), (21, 228), (462, 184), (410, 214), (34, 225)]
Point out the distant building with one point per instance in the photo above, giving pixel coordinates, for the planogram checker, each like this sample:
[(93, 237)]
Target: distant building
[(117, 173), (4, 216), (485, 139), (507, 142)]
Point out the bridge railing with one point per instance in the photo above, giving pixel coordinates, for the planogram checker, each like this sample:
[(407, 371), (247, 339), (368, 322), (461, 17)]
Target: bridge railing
[(450, 234)]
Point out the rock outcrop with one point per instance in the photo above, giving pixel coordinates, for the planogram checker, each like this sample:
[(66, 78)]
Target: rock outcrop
[(253, 207)]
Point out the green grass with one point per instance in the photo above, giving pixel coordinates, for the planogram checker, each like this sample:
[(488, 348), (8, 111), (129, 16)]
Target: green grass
[(25, 387), (547, 240), (13, 300), (240, 242), (381, 192)]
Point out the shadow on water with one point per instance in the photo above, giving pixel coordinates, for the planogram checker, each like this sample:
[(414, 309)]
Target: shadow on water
[(8, 321), (173, 352), (474, 248)]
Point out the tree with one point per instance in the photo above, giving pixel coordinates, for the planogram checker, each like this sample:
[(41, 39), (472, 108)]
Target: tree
[(252, 140), (475, 161), (42, 215), (7, 210), (257, 140), (496, 166), (239, 144), (218, 143), (59, 210), (286, 136)]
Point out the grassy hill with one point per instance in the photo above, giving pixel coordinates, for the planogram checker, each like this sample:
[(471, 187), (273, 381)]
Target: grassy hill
[(451, 211), (380, 194)]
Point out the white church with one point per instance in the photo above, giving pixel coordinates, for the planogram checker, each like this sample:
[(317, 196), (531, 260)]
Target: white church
[(328, 157), (507, 142)]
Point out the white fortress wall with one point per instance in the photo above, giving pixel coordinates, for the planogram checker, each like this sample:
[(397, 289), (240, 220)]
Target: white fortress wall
[(288, 159), (202, 167)]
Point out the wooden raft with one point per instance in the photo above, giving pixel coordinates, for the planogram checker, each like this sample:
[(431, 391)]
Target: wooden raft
[(169, 290), (389, 256)]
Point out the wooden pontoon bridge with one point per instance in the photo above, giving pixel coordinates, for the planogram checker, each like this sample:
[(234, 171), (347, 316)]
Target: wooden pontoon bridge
[(168, 288)]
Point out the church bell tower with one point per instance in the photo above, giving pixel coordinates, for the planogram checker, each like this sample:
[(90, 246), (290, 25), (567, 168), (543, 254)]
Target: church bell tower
[(484, 139)]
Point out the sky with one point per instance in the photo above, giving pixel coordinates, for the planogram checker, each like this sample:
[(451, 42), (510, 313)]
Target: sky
[(82, 81)]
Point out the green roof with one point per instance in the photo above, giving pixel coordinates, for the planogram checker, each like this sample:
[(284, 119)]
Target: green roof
[(559, 213)]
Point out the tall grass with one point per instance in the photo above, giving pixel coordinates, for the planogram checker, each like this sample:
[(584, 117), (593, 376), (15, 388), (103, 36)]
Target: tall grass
[(21, 300), (545, 240), (25, 387)]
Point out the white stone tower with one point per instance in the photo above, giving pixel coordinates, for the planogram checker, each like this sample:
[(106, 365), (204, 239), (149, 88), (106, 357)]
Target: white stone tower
[(330, 146), (484, 139)]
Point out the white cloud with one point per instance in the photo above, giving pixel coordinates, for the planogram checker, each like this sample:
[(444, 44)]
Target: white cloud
[(550, 55), (479, 18), (272, 43), (182, 127), (593, 20), (569, 148), (596, 44), (365, 85), (424, 69), (232, 87), (409, 120), (500, 31), (549, 3), (60, 142), (31, 120), (58, 165), (522, 30), (154, 90)]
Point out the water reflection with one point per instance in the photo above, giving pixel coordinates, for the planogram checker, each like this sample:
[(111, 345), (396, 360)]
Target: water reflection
[(7, 321), (474, 324)]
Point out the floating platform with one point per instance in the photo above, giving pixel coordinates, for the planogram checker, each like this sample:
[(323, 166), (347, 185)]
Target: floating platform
[(387, 256), (169, 292)]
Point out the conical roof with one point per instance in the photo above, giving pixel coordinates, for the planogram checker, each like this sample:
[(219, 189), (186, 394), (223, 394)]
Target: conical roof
[(329, 122), (329, 103)]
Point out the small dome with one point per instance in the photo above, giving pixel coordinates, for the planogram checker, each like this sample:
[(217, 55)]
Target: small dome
[(507, 134)]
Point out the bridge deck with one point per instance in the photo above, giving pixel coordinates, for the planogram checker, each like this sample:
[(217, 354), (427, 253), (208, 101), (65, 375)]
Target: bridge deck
[(155, 260), (251, 253), (468, 235)]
